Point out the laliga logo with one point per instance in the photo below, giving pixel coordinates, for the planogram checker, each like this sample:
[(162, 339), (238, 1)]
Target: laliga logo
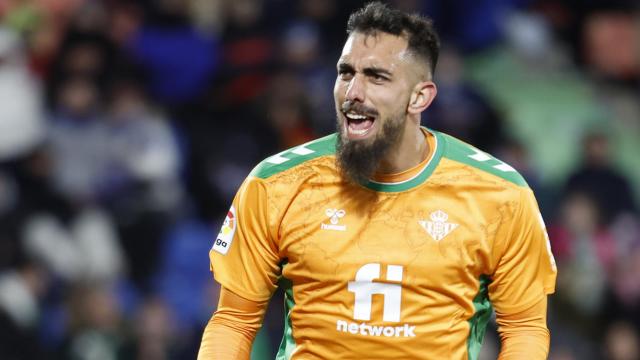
[(228, 225), (225, 236)]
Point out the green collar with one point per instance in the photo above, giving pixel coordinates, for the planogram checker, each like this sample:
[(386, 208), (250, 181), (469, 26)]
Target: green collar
[(419, 178)]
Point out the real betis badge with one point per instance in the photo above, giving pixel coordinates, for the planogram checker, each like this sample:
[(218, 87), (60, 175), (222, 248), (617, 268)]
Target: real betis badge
[(438, 227), (225, 236)]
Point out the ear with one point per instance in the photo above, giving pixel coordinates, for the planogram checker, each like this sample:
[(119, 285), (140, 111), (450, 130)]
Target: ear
[(422, 95)]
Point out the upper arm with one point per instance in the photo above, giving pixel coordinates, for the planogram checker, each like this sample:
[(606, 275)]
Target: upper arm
[(525, 270), (244, 257)]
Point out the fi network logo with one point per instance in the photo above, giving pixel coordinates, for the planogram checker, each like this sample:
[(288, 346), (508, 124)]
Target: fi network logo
[(364, 287)]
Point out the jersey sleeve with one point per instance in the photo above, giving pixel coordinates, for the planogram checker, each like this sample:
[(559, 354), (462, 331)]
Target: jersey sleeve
[(525, 270), (244, 257)]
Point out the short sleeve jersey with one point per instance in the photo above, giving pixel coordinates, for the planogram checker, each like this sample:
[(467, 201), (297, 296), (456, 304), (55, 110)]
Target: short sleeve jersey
[(408, 266)]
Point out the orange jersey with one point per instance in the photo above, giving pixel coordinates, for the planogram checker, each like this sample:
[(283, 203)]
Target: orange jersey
[(406, 266)]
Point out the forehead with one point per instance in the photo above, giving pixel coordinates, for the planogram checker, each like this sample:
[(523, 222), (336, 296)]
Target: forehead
[(379, 48)]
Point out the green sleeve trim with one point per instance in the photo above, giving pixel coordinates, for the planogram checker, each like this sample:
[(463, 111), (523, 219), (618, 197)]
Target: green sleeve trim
[(462, 152), (295, 156), (478, 322), (288, 344)]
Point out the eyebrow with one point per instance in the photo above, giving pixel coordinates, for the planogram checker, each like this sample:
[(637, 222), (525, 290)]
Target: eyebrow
[(368, 71), (345, 67), (376, 71)]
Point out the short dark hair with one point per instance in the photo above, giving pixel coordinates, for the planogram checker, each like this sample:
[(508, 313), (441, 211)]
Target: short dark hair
[(421, 36)]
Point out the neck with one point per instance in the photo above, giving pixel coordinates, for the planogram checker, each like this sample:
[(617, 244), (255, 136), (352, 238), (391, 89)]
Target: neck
[(410, 151)]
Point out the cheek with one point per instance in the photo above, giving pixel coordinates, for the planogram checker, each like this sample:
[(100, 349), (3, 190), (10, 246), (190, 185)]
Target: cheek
[(399, 101), (388, 101), (338, 91), (338, 97)]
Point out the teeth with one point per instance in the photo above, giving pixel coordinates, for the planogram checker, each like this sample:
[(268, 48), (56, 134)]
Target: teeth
[(355, 116), (359, 132)]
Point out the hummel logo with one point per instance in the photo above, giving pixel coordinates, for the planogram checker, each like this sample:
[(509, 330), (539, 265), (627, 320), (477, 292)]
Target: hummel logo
[(334, 215), (438, 228)]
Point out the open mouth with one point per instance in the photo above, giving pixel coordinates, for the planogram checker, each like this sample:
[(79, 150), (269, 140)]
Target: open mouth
[(358, 124)]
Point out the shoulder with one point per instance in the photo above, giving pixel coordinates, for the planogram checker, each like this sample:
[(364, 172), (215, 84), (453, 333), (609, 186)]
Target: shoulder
[(469, 156), (291, 158)]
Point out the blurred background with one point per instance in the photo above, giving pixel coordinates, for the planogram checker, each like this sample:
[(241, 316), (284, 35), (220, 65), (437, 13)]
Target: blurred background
[(127, 126)]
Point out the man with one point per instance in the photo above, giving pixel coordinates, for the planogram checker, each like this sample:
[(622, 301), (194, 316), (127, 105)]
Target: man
[(391, 241)]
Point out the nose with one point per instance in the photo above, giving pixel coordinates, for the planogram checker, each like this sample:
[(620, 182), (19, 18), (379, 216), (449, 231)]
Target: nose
[(356, 89)]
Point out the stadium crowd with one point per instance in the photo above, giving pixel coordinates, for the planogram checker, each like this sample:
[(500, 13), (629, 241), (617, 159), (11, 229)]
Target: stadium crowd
[(127, 126)]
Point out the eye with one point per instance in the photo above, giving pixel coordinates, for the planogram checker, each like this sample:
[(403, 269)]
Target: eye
[(344, 74), (379, 78)]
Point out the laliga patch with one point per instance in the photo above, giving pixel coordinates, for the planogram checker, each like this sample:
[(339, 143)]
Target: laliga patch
[(225, 236)]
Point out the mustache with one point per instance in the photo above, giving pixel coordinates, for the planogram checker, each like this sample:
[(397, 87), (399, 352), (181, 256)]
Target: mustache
[(358, 108)]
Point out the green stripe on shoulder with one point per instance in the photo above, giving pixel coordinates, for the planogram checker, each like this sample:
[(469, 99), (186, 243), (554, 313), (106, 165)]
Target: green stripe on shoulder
[(295, 156), (460, 151)]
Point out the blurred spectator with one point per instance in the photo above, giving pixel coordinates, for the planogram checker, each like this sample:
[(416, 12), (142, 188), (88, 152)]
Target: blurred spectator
[(471, 25), (326, 16), (585, 252), (74, 242), (21, 113), (622, 342), (85, 51), (77, 140), (623, 301), (95, 324), (42, 24), (125, 159), (612, 45), (227, 134), (86, 248), (179, 59), (304, 56), (288, 111), (139, 182), (597, 260), (142, 153), (154, 335), (626, 288), (598, 179), (247, 55), (585, 255), (21, 292), (600, 32), (125, 20), (207, 15)]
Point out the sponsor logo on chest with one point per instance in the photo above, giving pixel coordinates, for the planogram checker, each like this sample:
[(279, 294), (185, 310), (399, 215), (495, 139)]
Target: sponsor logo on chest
[(334, 216), (366, 284)]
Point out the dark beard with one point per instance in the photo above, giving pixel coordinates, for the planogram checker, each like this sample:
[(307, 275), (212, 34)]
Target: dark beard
[(358, 160)]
